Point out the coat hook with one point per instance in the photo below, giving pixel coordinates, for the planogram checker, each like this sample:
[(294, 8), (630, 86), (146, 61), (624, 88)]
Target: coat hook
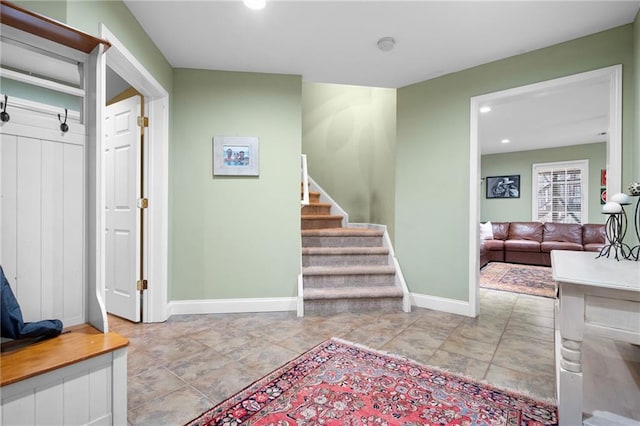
[(4, 115), (63, 124)]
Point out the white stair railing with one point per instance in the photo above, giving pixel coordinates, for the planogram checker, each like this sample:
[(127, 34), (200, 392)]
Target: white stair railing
[(305, 181), (303, 202)]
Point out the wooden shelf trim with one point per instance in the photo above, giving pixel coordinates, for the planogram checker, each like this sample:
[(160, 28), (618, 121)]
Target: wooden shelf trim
[(47, 28), (82, 342)]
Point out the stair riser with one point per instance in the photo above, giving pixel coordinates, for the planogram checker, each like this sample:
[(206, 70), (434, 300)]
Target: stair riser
[(343, 281), (320, 223), (347, 241), (316, 209), (336, 306), (344, 259), (314, 197)]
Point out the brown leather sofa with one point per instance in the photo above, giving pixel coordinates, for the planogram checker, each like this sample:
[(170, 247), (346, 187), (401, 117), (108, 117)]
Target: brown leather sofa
[(531, 242)]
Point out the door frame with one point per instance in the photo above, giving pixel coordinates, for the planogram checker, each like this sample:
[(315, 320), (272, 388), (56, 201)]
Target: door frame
[(156, 101), (613, 75)]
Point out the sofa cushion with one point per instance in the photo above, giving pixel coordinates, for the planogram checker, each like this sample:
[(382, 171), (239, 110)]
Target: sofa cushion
[(500, 230), (531, 231), (593, 233), (595, 247), (493, 245), (547, 246), (567, 232), (522, 245)]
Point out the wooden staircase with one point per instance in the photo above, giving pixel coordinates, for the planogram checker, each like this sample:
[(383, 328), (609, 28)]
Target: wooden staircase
[(345, 269)]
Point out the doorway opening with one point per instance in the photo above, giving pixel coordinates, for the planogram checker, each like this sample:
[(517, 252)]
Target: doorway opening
[(156, 104), (612, 76)]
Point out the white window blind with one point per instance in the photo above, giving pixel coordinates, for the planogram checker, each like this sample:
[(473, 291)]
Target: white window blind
[(560, 192)]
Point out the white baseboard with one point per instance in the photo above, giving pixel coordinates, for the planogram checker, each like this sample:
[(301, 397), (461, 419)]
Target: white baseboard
[(451, 306), (279, 304), (228, 306)]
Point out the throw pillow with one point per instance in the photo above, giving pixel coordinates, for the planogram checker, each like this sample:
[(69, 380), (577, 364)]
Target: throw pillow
[(486, 231)]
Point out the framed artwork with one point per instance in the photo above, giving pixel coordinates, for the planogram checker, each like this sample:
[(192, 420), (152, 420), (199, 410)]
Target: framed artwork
[(236, 156), (503, 186)]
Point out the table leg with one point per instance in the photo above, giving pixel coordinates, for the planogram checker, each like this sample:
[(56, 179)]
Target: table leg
[(570, 371)]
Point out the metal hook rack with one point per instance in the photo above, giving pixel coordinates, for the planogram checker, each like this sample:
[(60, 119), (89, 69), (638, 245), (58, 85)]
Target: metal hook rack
[(64, 127), (4, 115)]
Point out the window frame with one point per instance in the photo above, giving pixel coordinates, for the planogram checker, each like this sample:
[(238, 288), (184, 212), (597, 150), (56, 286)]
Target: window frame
[(538, 168)]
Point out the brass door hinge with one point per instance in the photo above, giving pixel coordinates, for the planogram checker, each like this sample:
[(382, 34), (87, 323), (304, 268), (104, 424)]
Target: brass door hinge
[(141, 285), (143, 203), (143, 121)]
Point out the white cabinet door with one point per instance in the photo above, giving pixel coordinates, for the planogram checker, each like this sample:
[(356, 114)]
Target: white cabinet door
[(122, 233)]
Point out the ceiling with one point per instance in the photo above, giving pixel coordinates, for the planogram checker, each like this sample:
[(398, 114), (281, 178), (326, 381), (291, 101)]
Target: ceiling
[(336, 42), (571, 114)]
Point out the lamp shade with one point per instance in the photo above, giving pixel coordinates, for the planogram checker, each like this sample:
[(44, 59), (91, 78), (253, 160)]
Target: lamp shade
[(611, 207), (621, 198)]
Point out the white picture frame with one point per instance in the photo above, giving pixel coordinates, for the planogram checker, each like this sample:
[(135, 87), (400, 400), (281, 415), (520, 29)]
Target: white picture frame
[(236, 156)]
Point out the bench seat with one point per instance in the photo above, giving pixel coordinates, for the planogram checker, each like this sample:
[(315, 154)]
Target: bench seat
[(81, 342)]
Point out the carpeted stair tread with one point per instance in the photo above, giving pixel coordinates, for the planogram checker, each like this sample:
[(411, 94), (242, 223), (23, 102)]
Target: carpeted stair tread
[(349, 270), (353, 293), (344, 250), (340, 232)]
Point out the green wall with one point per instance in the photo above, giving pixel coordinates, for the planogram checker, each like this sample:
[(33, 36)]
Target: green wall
[(636, 119), (349, 139), (54, 9), (631, 239), (234, 237), (26, 91), (432, 153), (520, 163)]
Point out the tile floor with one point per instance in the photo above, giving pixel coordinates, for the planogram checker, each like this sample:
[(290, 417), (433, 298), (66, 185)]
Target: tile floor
[(184, 366)]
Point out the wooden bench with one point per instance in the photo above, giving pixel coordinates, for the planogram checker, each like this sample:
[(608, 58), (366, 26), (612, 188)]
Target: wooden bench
[(66, 379)]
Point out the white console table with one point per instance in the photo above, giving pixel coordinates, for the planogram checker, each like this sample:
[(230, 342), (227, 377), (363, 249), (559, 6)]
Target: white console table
[(597, 296)]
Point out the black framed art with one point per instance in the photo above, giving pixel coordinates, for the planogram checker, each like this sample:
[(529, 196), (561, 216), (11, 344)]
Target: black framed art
[(503, 186)]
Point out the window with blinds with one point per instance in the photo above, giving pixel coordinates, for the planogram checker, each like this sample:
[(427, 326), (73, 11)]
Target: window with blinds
[(560, 192)]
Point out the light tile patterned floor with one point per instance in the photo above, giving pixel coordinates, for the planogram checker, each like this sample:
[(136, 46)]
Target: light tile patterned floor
[(184, 366)]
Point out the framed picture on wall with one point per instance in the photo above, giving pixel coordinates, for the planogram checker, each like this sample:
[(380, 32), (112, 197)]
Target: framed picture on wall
[(236, 156), (503, 186)]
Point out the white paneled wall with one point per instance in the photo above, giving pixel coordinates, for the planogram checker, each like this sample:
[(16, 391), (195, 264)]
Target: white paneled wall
[(80, 394), (42, 216)]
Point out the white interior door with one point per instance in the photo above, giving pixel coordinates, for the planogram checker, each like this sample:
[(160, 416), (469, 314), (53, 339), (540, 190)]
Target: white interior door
[(122, 233)]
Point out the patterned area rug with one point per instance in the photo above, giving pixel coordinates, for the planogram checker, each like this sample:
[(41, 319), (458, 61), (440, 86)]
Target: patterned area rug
[(527, 279), (339, 382)]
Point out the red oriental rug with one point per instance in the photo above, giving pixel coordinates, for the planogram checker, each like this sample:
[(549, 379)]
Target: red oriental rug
[(527, 279), (339, 382)]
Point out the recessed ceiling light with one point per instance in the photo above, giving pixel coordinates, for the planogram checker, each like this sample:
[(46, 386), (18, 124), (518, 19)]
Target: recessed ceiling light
[(505, 140), (485, 109), (386, 43), (255, 4)]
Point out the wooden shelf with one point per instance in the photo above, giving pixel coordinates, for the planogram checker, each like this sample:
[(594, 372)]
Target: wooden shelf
[(47, 28)]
